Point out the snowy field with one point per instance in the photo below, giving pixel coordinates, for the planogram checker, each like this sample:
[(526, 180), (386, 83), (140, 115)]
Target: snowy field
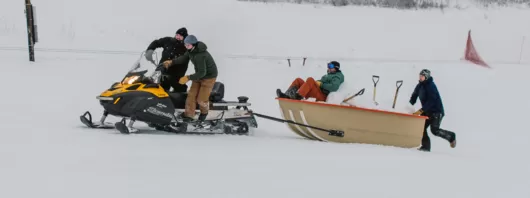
[(45, 151)]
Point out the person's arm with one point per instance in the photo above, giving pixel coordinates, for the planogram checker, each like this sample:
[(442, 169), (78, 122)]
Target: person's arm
[(332, 85), (414, 96), (181, 59), (158, 43), (200, 69), (433, 98)]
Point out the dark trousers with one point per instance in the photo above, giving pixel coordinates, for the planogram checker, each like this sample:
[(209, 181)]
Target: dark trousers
[(434, 121), (171, 79)]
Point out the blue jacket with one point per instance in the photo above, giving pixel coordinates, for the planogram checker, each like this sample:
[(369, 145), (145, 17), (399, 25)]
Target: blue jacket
[(430, 98)]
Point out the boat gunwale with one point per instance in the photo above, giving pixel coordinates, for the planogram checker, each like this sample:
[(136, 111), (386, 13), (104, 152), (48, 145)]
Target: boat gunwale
[(353, 107)]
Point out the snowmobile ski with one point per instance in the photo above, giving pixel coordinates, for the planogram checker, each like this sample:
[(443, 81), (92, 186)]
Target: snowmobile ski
[(96, 125), (125, 129)]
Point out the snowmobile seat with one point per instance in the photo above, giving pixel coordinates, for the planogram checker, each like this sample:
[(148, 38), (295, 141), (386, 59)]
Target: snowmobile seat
[(218, 92), (178, 99)]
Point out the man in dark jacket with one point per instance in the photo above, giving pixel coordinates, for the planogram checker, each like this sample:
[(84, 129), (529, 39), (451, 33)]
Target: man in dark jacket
[(432, 107), (173, 47), (202, 80)]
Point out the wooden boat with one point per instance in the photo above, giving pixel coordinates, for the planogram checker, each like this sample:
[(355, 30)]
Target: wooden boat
[(355, 124)]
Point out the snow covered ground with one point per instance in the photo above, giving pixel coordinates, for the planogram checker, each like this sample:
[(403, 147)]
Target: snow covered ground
[(45, 151)]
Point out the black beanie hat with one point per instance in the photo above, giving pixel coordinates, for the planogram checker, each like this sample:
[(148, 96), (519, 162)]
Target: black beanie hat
[(335, 64), (426, 73), (182, 31)]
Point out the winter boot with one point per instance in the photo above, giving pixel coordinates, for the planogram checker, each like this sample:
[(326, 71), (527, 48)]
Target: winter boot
[(453, 140), (184, 117), (202, 117), (292, 93), (424, 149), (280, 94), (297, 96), (447, 135)]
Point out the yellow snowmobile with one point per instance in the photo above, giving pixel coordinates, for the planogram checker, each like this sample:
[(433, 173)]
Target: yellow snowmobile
[(139, 97)]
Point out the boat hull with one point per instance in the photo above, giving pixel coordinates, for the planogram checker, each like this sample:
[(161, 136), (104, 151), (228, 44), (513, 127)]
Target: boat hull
[(360, 125)]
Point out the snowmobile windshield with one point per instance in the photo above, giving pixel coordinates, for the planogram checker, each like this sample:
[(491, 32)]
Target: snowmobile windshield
[(141, 69), (142, 64)]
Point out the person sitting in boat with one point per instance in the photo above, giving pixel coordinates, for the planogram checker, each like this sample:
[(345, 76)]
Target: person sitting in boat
[(319, 89)]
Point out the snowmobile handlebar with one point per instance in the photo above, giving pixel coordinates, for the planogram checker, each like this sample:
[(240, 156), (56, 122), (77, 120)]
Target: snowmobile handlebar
[(160, 67)]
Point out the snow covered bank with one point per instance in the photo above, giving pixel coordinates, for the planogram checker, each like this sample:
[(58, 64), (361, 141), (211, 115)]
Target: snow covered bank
[(249, 30)]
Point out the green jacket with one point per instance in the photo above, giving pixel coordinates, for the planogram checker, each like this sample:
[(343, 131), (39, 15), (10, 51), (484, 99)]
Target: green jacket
[(205, 66), (331, 82)]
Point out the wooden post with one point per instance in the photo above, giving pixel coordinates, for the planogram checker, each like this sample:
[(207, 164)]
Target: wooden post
[(521, 53), (29, 21), (303, 63), (289, 61)]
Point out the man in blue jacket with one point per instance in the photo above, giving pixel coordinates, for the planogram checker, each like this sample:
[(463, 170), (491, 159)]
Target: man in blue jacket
[(432, 107)]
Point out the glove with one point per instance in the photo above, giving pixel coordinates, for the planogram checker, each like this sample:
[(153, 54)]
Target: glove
[(149, 56), (167, 63), (319, 83), (184, 80), (418, 112)]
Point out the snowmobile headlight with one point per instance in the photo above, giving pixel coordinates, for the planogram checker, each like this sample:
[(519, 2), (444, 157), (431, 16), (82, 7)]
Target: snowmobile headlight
[(130, 80), (105, 98)]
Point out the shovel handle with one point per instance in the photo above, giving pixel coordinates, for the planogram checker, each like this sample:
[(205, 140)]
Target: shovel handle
[(399, 83), (360, 92), (374, 77), (354, 95)]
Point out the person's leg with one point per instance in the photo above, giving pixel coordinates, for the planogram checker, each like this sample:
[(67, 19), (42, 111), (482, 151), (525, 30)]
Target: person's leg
[(291, 91), (203, 98), (165, 83), (191, 100), (177, 87), (437, 131), (298, 82), (310, 90), (425, 140)]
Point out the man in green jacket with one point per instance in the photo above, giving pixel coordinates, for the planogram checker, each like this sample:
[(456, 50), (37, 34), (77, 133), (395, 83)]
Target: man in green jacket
[(315, 89), (202, 80)]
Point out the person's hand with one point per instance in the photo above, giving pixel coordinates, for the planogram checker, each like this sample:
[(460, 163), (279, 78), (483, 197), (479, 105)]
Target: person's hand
[(149, 56), (184, 80), (167, 63), (418, 112), (319, 83)]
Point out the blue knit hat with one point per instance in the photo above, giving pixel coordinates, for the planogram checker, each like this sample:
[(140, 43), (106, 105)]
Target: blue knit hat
[(190, 39)]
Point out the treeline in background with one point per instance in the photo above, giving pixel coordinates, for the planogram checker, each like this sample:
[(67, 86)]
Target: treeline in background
[(408, 4)]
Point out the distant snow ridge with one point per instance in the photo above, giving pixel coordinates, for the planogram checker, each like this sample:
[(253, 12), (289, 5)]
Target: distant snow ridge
[(408, 4)]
